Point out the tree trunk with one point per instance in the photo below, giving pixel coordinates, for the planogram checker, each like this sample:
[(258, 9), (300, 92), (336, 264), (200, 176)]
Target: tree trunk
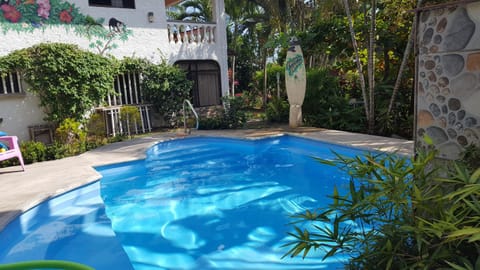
[(233, 75), (408, 48), (386, 57), (357, 59), (265, 77), (371, 69)]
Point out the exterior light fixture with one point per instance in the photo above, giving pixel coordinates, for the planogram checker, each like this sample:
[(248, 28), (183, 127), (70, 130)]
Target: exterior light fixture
[(150, 17)]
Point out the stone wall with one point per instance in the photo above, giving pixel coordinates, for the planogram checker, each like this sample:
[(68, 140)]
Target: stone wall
[(448, 78)]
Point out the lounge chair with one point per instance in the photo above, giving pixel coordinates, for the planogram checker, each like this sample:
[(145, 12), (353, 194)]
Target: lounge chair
[(9, 149)]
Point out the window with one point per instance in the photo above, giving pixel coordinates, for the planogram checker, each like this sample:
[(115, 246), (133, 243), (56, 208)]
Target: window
[(112, 3), (11, 84), (127, 88), (206, 81)]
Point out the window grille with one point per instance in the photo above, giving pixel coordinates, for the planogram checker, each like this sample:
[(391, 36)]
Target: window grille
[(11, 84), (127, 90), (114, 126)]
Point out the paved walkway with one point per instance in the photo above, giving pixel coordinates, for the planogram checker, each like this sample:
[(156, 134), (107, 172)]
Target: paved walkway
[(20, 191)]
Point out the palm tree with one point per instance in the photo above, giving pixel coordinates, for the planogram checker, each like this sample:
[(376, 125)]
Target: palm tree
[(249, 18), (192, 10)]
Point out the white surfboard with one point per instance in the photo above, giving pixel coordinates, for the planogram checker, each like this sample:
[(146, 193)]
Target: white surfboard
[(295, 82)]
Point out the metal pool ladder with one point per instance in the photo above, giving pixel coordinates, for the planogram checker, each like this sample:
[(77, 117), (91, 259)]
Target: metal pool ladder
[(185, 115)]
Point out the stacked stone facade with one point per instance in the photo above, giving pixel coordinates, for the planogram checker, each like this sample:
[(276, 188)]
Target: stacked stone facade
[(448, 78)]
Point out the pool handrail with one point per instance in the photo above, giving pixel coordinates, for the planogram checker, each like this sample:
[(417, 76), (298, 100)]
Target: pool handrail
[(45, 264), (184, 114)]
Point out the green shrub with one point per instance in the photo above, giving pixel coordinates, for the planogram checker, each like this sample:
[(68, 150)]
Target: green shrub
[(56, 150), (233, 116), (272, 87), (95, 126), (166, 87), (327, 106), (72, 136), (252, 99), (471, 156), (211, 123), (130, 117), (398, 213), (117, 138), (33, 151), (278, 110)]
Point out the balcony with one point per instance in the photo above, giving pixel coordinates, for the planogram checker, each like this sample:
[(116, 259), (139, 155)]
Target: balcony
[(191, 32)]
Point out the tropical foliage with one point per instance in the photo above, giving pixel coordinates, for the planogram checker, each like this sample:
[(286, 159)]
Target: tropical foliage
[(369, 52), (398, 213), (192, 10), (328, 105)]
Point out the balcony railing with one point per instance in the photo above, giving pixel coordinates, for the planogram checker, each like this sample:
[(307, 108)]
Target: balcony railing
[(191, 32)]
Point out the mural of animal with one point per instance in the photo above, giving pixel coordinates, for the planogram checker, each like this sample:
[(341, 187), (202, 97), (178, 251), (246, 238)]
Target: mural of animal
[(115, 25)]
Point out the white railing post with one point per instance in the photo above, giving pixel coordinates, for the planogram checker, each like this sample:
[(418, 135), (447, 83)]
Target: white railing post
[(190, 32)]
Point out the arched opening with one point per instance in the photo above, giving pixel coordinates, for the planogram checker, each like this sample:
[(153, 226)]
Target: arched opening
[(205, 75)]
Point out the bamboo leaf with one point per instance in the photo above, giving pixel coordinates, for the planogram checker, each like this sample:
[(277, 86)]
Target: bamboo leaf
[(335, 196), (475, 177), (465, 232), (474, 238), (427, 140), (305, 252), (454, 266)]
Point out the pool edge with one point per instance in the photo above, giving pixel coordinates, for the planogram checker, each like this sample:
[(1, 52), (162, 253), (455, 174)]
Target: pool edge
[(135, 150)]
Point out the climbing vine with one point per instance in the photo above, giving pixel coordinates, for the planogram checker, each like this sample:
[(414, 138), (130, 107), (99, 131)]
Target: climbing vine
[(69, 81)]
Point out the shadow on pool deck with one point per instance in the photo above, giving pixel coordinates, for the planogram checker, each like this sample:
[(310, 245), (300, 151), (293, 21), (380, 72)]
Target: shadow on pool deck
[(21, 191)]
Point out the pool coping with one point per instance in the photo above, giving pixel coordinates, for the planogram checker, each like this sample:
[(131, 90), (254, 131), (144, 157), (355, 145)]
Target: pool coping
[(19, 192)]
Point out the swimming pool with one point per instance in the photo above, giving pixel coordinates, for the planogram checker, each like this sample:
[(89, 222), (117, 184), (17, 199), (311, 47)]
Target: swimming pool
[(194, 203)]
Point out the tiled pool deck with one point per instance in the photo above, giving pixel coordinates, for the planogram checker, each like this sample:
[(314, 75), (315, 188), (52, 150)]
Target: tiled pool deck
[(19, 191)]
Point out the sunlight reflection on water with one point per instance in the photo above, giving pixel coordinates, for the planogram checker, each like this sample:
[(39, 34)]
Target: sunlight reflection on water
[(220, 203)]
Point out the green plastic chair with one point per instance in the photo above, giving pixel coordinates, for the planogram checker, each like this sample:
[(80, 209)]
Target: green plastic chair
[(33, 265)]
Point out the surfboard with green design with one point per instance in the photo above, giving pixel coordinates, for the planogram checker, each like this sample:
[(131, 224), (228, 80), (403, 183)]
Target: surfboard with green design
[(296, 82)]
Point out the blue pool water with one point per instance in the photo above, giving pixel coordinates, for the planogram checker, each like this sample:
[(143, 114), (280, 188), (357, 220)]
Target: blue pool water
[(195, 203)]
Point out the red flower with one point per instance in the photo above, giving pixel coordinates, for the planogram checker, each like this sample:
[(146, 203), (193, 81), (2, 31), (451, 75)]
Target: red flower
[(65, 16), (11, 13)]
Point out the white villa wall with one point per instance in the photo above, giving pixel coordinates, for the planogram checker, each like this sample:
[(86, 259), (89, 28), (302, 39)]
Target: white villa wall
[(148, 40), (19, 112)]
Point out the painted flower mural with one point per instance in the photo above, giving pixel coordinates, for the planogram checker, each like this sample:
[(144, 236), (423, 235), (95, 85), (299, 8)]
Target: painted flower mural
[(10, 13), (43, 9), (26, 15), (65, 16)]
